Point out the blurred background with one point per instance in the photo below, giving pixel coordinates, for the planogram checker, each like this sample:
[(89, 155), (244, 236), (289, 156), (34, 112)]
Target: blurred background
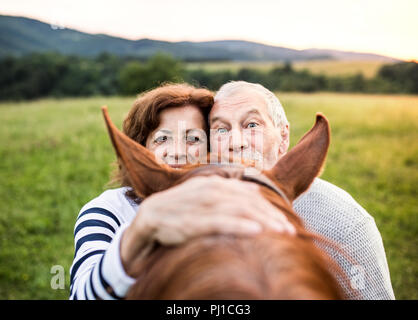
[(355, 61)]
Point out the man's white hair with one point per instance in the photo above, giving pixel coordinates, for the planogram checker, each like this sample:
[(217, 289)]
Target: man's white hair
[(274, 106)]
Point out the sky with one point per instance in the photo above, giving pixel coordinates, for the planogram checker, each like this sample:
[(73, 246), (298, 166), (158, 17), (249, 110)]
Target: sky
[(387, 27)]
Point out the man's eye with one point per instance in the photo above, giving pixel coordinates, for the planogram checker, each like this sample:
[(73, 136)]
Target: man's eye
[(160, 139), (252, 125), (222, 130)]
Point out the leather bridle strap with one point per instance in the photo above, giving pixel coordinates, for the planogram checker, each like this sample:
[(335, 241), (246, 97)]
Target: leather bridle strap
[(251, 174), (265, 182)]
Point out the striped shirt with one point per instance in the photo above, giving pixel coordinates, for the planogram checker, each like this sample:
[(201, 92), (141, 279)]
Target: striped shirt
[(97, 271)]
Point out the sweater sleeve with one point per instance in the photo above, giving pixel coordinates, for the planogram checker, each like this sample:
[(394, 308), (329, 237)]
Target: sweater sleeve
[(368, 272), (97, 271), (334, 214)]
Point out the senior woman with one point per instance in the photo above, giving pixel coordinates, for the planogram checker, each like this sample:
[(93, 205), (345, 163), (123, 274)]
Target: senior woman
[(114, 231)]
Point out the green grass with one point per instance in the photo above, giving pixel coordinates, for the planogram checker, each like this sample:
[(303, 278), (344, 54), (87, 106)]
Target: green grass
[(325, 67), (55, 156)]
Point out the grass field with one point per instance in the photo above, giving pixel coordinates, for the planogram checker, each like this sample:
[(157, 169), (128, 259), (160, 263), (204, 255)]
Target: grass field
[(55, 156), (325, 67)]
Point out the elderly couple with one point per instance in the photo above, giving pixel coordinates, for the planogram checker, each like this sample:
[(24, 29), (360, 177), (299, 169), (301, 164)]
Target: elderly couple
[(112, 231)]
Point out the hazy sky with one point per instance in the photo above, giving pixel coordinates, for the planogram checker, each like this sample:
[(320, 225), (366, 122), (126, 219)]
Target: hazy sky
[(375, 26)]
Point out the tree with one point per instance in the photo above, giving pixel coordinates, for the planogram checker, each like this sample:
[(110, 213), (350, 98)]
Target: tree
[(404, 75), (136, 77)]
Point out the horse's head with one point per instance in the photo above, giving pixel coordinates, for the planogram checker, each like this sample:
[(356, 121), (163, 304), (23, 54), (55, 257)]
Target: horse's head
[(276, 266)]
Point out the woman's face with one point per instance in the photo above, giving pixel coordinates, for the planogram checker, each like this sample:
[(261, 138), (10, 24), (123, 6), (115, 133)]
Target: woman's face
[(180, 138)]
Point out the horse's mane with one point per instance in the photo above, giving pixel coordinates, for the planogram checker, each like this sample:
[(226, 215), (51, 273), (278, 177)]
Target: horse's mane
[(267, 266)]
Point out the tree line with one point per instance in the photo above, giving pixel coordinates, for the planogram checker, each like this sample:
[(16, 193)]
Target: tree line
[(52, 74)]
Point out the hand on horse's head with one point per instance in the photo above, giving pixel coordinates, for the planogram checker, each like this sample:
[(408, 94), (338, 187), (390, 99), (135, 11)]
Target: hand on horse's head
[(200, 206)]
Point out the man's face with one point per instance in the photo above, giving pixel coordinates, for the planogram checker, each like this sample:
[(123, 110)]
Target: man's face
[(241, 128)]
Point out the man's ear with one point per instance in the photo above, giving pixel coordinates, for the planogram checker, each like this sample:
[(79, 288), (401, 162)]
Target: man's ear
[(145, 174), (285, 140), (296, 170)]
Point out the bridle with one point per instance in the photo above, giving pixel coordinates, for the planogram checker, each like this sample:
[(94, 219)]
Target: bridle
[(251, 174), (262, 180)]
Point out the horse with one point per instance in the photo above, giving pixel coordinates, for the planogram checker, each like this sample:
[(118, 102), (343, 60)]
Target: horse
[(268, 265)]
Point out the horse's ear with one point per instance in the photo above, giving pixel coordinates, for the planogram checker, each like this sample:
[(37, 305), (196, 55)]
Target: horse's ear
[(296, 170), (145, 173)]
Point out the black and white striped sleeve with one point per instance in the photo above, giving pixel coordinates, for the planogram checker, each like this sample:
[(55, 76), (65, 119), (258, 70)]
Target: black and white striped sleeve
[(97, 271)]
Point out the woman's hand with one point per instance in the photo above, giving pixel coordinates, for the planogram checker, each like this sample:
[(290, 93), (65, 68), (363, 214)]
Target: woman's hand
[(199, 206)]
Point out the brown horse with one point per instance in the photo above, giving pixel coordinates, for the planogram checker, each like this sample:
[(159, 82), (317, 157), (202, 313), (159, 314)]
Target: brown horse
[(266, 266)]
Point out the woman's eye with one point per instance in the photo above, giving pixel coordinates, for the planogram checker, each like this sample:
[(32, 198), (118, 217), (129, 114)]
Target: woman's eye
[(193, 139), (222, 130), (160, 139), (252, 125)]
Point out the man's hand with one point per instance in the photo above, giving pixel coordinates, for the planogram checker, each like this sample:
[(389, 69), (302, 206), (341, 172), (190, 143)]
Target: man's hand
[(200, 206)]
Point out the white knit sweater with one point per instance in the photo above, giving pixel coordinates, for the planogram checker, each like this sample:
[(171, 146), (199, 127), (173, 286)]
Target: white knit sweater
[(97, 271), (333, 213)]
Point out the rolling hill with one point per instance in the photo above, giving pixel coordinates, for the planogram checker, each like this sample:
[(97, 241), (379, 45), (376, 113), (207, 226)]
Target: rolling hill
[(21, 36)]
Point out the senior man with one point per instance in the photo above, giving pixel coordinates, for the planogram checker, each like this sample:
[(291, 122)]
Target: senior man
[(246, 121), (245, 114)]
